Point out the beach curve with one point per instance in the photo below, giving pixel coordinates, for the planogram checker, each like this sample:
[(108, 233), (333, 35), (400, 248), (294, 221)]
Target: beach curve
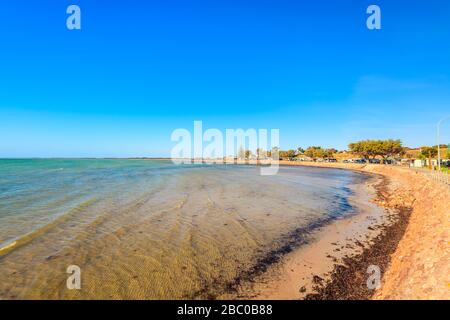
[(413, 250)]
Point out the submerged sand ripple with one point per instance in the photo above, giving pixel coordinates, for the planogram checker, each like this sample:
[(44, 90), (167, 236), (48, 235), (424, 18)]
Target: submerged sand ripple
[(189, 236)]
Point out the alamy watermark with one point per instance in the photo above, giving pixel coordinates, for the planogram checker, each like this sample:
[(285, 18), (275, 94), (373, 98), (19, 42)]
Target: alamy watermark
[(374, 20), (74, 280), (233, 145), (73, 21), (374, 279)]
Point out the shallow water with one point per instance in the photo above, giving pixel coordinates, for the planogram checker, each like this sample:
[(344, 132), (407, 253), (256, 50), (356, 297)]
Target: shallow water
[(151, 229)]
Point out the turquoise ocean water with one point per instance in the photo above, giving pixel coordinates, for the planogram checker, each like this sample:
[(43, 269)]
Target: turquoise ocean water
[(185, 231)]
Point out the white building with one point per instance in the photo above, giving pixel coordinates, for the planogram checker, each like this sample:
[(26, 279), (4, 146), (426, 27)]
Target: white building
[(418, 163)]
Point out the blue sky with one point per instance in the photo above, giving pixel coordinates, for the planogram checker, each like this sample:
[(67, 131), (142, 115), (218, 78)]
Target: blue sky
[(140, 69)]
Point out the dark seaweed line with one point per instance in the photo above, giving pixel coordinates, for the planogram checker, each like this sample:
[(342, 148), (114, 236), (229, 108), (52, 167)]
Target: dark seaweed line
[(348, 281), (289, 242)]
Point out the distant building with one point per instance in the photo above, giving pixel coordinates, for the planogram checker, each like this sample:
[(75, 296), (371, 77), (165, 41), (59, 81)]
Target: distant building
[(418, 163), (434, 162)]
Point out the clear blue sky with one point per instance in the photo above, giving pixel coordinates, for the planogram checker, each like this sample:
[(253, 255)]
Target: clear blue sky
[(140, 69)]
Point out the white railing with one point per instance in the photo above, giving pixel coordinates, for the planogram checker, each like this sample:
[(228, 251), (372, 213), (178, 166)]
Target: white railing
[(440, 176)]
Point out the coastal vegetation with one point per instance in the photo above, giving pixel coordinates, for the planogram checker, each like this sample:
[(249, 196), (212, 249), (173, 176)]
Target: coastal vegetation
[(374, 151)]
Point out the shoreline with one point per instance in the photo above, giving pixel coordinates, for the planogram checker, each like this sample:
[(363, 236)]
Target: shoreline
[(411, 249), (309, 267), (348, 279)]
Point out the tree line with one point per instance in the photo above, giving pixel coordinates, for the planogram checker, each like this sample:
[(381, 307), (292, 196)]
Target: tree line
[(366, 149)]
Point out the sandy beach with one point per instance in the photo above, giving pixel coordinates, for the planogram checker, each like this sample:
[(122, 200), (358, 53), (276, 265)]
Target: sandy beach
[(409, 242)]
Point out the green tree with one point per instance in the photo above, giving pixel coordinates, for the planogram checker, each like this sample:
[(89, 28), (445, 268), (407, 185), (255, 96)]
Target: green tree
[(390, 148), (429, 153), (332, 151), (365, 149), (316, 152), (311, 152), (359, 148), (370, 149), (290, 153)]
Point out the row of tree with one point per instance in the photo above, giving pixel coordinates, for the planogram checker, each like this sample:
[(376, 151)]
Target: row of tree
[(367, 149), (390, 149), (314, 152)]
